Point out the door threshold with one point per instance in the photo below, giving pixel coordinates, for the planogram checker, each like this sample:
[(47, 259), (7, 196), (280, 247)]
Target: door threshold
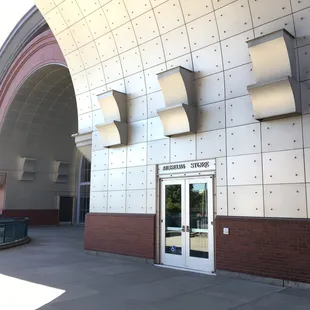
[(208, 273)]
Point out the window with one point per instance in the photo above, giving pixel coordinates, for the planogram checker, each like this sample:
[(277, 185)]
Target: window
[(84, 190)]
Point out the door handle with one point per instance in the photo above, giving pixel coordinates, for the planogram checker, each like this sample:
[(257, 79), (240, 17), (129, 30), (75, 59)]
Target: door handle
[(187, 229), (183, 228)]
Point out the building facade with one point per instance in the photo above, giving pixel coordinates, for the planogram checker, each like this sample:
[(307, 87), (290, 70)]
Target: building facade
[(195, 117)]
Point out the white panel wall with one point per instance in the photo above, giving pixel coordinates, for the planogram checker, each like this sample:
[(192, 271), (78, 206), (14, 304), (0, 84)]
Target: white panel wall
[(131, 41), (243, 140), (285, 200), (245, 201), (221, 200)]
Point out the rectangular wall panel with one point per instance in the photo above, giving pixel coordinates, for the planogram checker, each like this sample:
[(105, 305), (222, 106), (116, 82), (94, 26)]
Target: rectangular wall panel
[(136, 155), (298, 5), (155, 101), (245, 201), (169, 16), (106, 47), (211, 144), (282, 134), (80, 83), (244, 140), (286, 200), (117, 202), (98, 202), (151, 79), (84, 103), (100, 160), (137, 132), (302, 26), (98, 118), (239, 111), (221, 171), (233, 19), (148, 33), (210, 89), (244, 170), (211, 116), (183, 148), (81, 33), (284, 167), (99, 181), (135, 85), (221, 200), (307, 164), (192, 12), (151, 176), (112, 69), (305, 97), (264, 11), (237, 80), (281, 23), (89, 55), (175, 43), (97, 143), (131, 61), (303, 53), (158, 151), (151, 201), (136, 10), (117, 179), (183, 61), (306, 129), (124, 37), (137, 109), (155, 129), (97, 23), (117, 157), (235, 50), (116, 13), (202, 32), (136, 201), (74, 62), (152, 53), (207, 61), (95, 76), (136, 178)]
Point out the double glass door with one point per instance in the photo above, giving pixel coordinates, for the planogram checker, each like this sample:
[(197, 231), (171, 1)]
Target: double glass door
[(187, 224)]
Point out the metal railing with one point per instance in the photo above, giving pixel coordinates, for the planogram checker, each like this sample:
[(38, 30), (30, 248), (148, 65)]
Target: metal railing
[(13, 229)]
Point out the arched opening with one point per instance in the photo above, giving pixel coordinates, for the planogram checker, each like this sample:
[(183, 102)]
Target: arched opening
[(38, 154)]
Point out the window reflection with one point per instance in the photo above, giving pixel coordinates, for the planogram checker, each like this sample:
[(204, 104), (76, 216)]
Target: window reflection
[(173, 219), (198, 210)]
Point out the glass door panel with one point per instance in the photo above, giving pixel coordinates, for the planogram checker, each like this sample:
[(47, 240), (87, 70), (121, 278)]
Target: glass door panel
[(172, 222), (173, 202), (198, 226)]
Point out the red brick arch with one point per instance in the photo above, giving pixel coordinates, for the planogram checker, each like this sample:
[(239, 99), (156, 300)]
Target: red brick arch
[(41, 51)]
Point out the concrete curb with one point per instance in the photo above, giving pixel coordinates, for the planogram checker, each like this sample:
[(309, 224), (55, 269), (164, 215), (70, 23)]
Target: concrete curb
[(15, 244)]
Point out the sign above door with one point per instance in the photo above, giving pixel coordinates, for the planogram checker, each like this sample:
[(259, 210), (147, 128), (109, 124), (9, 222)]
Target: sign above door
[(204, 166)]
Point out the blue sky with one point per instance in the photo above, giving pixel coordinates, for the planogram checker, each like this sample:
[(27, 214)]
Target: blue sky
[(10, 13)]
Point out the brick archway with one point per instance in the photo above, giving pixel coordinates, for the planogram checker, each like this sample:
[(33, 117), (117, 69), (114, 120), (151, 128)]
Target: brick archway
[(41, 51)]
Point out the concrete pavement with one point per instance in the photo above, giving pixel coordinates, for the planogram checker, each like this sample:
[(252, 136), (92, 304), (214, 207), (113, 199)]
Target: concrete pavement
[(53, 273)]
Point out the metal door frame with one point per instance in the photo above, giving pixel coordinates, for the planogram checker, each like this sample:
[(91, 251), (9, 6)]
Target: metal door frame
[(186, 179)]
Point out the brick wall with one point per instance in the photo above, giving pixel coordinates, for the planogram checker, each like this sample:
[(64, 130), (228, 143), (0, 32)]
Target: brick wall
[(36, 217), (126, 234), (277, 248)]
